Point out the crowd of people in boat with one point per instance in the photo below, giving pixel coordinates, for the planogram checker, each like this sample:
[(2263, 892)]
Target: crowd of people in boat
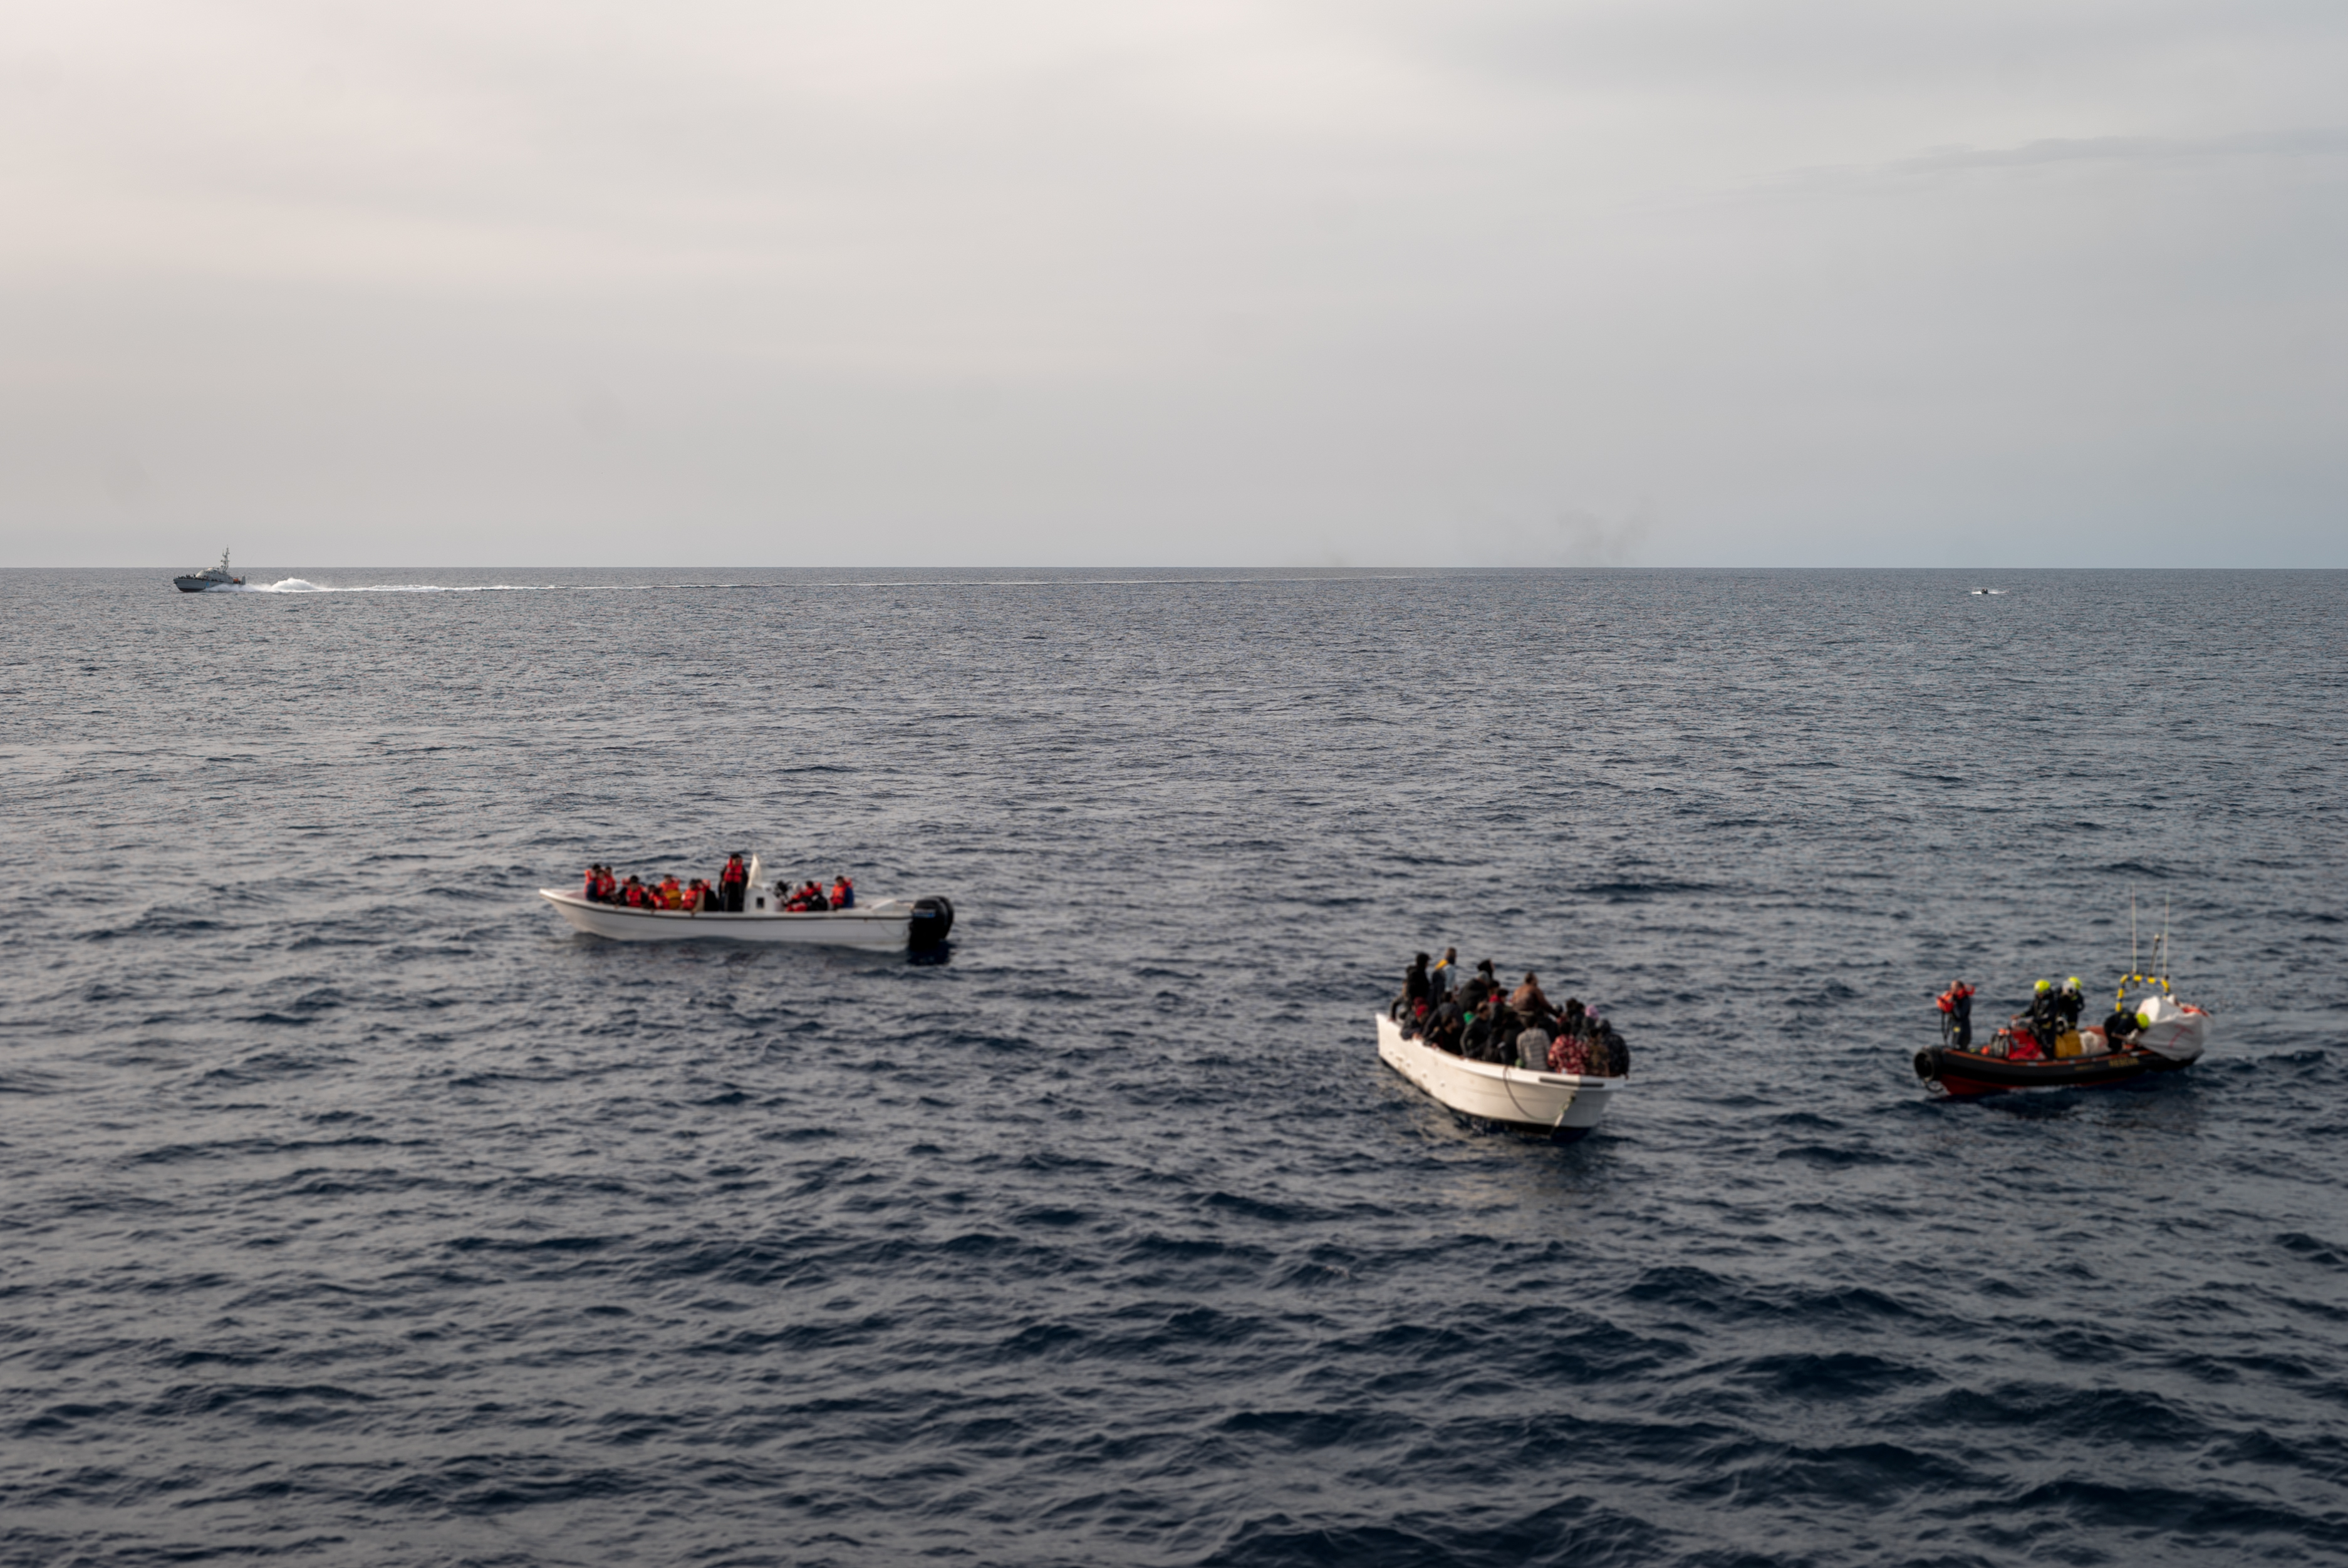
[(2046, 1030), (1472, 1015), (726, 896)]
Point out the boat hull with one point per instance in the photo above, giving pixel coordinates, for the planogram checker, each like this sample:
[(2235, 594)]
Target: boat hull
[(1563, 1107), (193, 584), (889, 923), (1968, 1073)]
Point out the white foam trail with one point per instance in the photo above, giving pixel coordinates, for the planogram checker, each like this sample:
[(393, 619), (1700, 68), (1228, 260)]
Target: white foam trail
[(304, 585)]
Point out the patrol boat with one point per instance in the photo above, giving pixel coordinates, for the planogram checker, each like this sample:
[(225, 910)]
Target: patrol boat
[(209, 577), (1562, 1107), (889, 922)]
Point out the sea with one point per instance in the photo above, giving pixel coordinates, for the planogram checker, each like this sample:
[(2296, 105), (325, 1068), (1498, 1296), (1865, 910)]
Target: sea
[(354, 1209)]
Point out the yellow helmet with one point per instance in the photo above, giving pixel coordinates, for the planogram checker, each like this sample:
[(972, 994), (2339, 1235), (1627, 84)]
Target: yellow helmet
[(2072, 983), (2044, 987), (2144, 1020)]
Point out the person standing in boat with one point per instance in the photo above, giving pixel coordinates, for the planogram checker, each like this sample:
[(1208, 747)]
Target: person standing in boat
[(2068, 1002), (1442, 979), (2045, 1017), (1415, 988), (1528, 999), (732, 882), (1956, 1005)]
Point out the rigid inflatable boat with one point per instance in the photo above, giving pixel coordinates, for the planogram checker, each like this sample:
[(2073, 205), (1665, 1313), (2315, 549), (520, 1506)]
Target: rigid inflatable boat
[(2170, 1036)]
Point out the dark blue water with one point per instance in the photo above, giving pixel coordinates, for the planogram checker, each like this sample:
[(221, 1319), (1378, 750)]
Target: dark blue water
[(354, 1210)]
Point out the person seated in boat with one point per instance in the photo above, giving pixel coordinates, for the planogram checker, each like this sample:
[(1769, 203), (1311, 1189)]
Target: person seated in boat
[(669, 895), (703, 899), (732, 883), (1569, 1053), (1444, 1027), (1610, 1054), (1532, 1047), (1474, 1029), (813, 894), (1501, 1027), (610, 890), (635, 894), (594, 884), (843, 894)]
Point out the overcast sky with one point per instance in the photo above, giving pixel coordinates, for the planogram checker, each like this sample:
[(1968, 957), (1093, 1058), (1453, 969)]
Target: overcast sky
[(1378, 282)]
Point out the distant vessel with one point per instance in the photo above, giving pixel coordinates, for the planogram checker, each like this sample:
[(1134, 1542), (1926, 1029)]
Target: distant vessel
[(892, 923), (209, 577)]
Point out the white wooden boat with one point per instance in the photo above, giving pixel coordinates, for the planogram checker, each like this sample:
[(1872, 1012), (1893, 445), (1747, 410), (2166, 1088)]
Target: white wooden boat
[(888, 923), (1561, 1105)]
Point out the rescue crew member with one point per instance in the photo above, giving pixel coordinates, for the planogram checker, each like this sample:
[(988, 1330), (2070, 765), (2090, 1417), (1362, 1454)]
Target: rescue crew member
[(2068, 1002), (2045, 1022), (1957, 1003)]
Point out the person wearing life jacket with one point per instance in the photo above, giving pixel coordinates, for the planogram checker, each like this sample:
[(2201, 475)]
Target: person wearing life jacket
[(2068, 1001), (594, 884), (635, 894), (2045, 1018), (1956, 1005), (732, 883), (843, 892), (670, 895)]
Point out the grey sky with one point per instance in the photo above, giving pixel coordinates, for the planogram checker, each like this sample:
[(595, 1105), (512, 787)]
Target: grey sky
[(1441, 282)]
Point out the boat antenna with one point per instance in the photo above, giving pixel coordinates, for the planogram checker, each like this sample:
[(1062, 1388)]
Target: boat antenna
[(2132, 962), (2167, 958)]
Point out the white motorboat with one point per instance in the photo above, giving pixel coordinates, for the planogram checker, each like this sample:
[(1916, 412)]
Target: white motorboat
[(1564, 1106), (886, 923)]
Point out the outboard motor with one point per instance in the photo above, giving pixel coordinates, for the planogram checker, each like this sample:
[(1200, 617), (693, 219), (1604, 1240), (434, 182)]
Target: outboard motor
[(932, 918)]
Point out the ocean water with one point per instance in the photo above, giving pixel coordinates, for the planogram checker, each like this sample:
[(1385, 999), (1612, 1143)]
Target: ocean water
[(354, 1210)]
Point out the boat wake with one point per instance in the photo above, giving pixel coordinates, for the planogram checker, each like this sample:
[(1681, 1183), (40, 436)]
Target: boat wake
[(304, 585)]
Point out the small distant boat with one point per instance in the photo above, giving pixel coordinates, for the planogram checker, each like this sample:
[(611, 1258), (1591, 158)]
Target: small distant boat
[(1562, 1106), (209, 577), (886, 924)]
